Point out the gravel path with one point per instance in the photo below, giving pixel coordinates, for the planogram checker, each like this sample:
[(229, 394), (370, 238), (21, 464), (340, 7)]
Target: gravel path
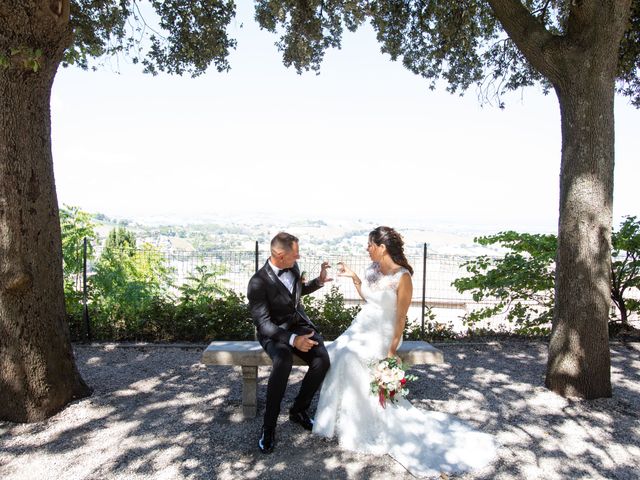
[(157, 413)]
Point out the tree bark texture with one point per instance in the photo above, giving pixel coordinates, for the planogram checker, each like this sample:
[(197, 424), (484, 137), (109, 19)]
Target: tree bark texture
[(38, 375), (579, 361), (581, 65)]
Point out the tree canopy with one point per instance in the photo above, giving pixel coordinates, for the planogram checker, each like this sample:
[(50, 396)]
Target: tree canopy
[(460, 42), (173, 36)]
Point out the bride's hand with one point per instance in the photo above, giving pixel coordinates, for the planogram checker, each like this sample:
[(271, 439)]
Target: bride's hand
[(343, 271), (396, 356)]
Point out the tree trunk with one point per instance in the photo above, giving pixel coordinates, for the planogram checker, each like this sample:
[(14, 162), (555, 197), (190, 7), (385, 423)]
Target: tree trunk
[(618, 299), (579, 359), (38, 375), (581, 65), (624, 316)]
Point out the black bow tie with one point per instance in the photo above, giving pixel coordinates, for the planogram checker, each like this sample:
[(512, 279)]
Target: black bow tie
[(281, 271)]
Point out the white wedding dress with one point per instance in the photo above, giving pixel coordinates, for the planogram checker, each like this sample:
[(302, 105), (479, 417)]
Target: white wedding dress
[(426, 443)]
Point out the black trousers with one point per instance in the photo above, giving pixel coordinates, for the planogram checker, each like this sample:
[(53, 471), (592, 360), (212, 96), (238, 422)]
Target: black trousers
[(282, 357)]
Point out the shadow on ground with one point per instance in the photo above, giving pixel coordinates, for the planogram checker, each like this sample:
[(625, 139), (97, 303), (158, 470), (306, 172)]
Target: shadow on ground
[(156, 412)]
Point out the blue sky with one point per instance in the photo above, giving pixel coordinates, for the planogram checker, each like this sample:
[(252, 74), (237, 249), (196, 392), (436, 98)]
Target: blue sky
[(364, 139)]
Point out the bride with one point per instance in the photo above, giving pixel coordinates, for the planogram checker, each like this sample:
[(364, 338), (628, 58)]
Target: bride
[(425, 443)]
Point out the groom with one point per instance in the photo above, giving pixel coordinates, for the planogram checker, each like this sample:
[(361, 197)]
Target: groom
[(285, 330)]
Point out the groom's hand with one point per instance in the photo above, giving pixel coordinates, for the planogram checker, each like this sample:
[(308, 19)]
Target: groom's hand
[(304, 342), (324, 273)]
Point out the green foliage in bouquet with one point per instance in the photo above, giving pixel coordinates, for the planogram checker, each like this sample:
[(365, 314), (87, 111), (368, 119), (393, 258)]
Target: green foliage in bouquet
[(389, 380), (330, 314)]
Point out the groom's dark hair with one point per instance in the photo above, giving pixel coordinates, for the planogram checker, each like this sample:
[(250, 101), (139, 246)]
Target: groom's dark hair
[(284, 241)]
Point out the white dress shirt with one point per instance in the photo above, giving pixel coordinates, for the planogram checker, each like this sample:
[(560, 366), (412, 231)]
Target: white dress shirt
[(288, 280)]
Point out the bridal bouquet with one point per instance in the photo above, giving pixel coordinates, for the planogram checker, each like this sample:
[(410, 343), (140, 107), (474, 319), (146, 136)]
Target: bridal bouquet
[(389, 380)]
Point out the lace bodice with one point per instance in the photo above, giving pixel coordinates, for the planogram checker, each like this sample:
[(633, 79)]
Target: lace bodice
[(375, 280), (380, 291)]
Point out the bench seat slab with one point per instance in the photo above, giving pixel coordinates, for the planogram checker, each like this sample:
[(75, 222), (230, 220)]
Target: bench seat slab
[(250, 355)]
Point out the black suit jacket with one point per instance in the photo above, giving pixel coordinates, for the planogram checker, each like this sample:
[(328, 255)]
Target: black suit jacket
[(276, 312)]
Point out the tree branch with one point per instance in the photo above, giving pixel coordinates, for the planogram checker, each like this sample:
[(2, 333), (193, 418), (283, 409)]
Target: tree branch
[(598, 26), (535, 42), (542, 11), (632, 277)]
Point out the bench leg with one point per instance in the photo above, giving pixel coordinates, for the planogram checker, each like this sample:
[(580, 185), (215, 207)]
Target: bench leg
[(249, 391)]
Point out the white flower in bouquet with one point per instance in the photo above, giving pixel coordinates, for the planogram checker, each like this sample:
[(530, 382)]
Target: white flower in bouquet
[(389, 380)]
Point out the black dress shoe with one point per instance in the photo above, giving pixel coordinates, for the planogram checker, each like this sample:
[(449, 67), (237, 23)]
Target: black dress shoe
[(302, 418), (267, 439)]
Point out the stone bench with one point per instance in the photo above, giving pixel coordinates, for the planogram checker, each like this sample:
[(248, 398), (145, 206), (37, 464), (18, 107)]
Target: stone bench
[(250, 355)]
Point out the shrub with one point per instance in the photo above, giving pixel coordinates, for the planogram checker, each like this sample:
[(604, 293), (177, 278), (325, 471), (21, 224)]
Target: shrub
[(126, 284), (224, 318), (75, 226), (433, 330), (74, 308), (330, 314), (521, 281)]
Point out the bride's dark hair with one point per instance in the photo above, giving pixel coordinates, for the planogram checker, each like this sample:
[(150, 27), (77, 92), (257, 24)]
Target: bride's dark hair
[(391, 239)]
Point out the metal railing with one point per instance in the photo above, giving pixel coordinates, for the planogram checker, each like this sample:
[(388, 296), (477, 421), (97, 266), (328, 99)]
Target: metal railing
[(432, 279)]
